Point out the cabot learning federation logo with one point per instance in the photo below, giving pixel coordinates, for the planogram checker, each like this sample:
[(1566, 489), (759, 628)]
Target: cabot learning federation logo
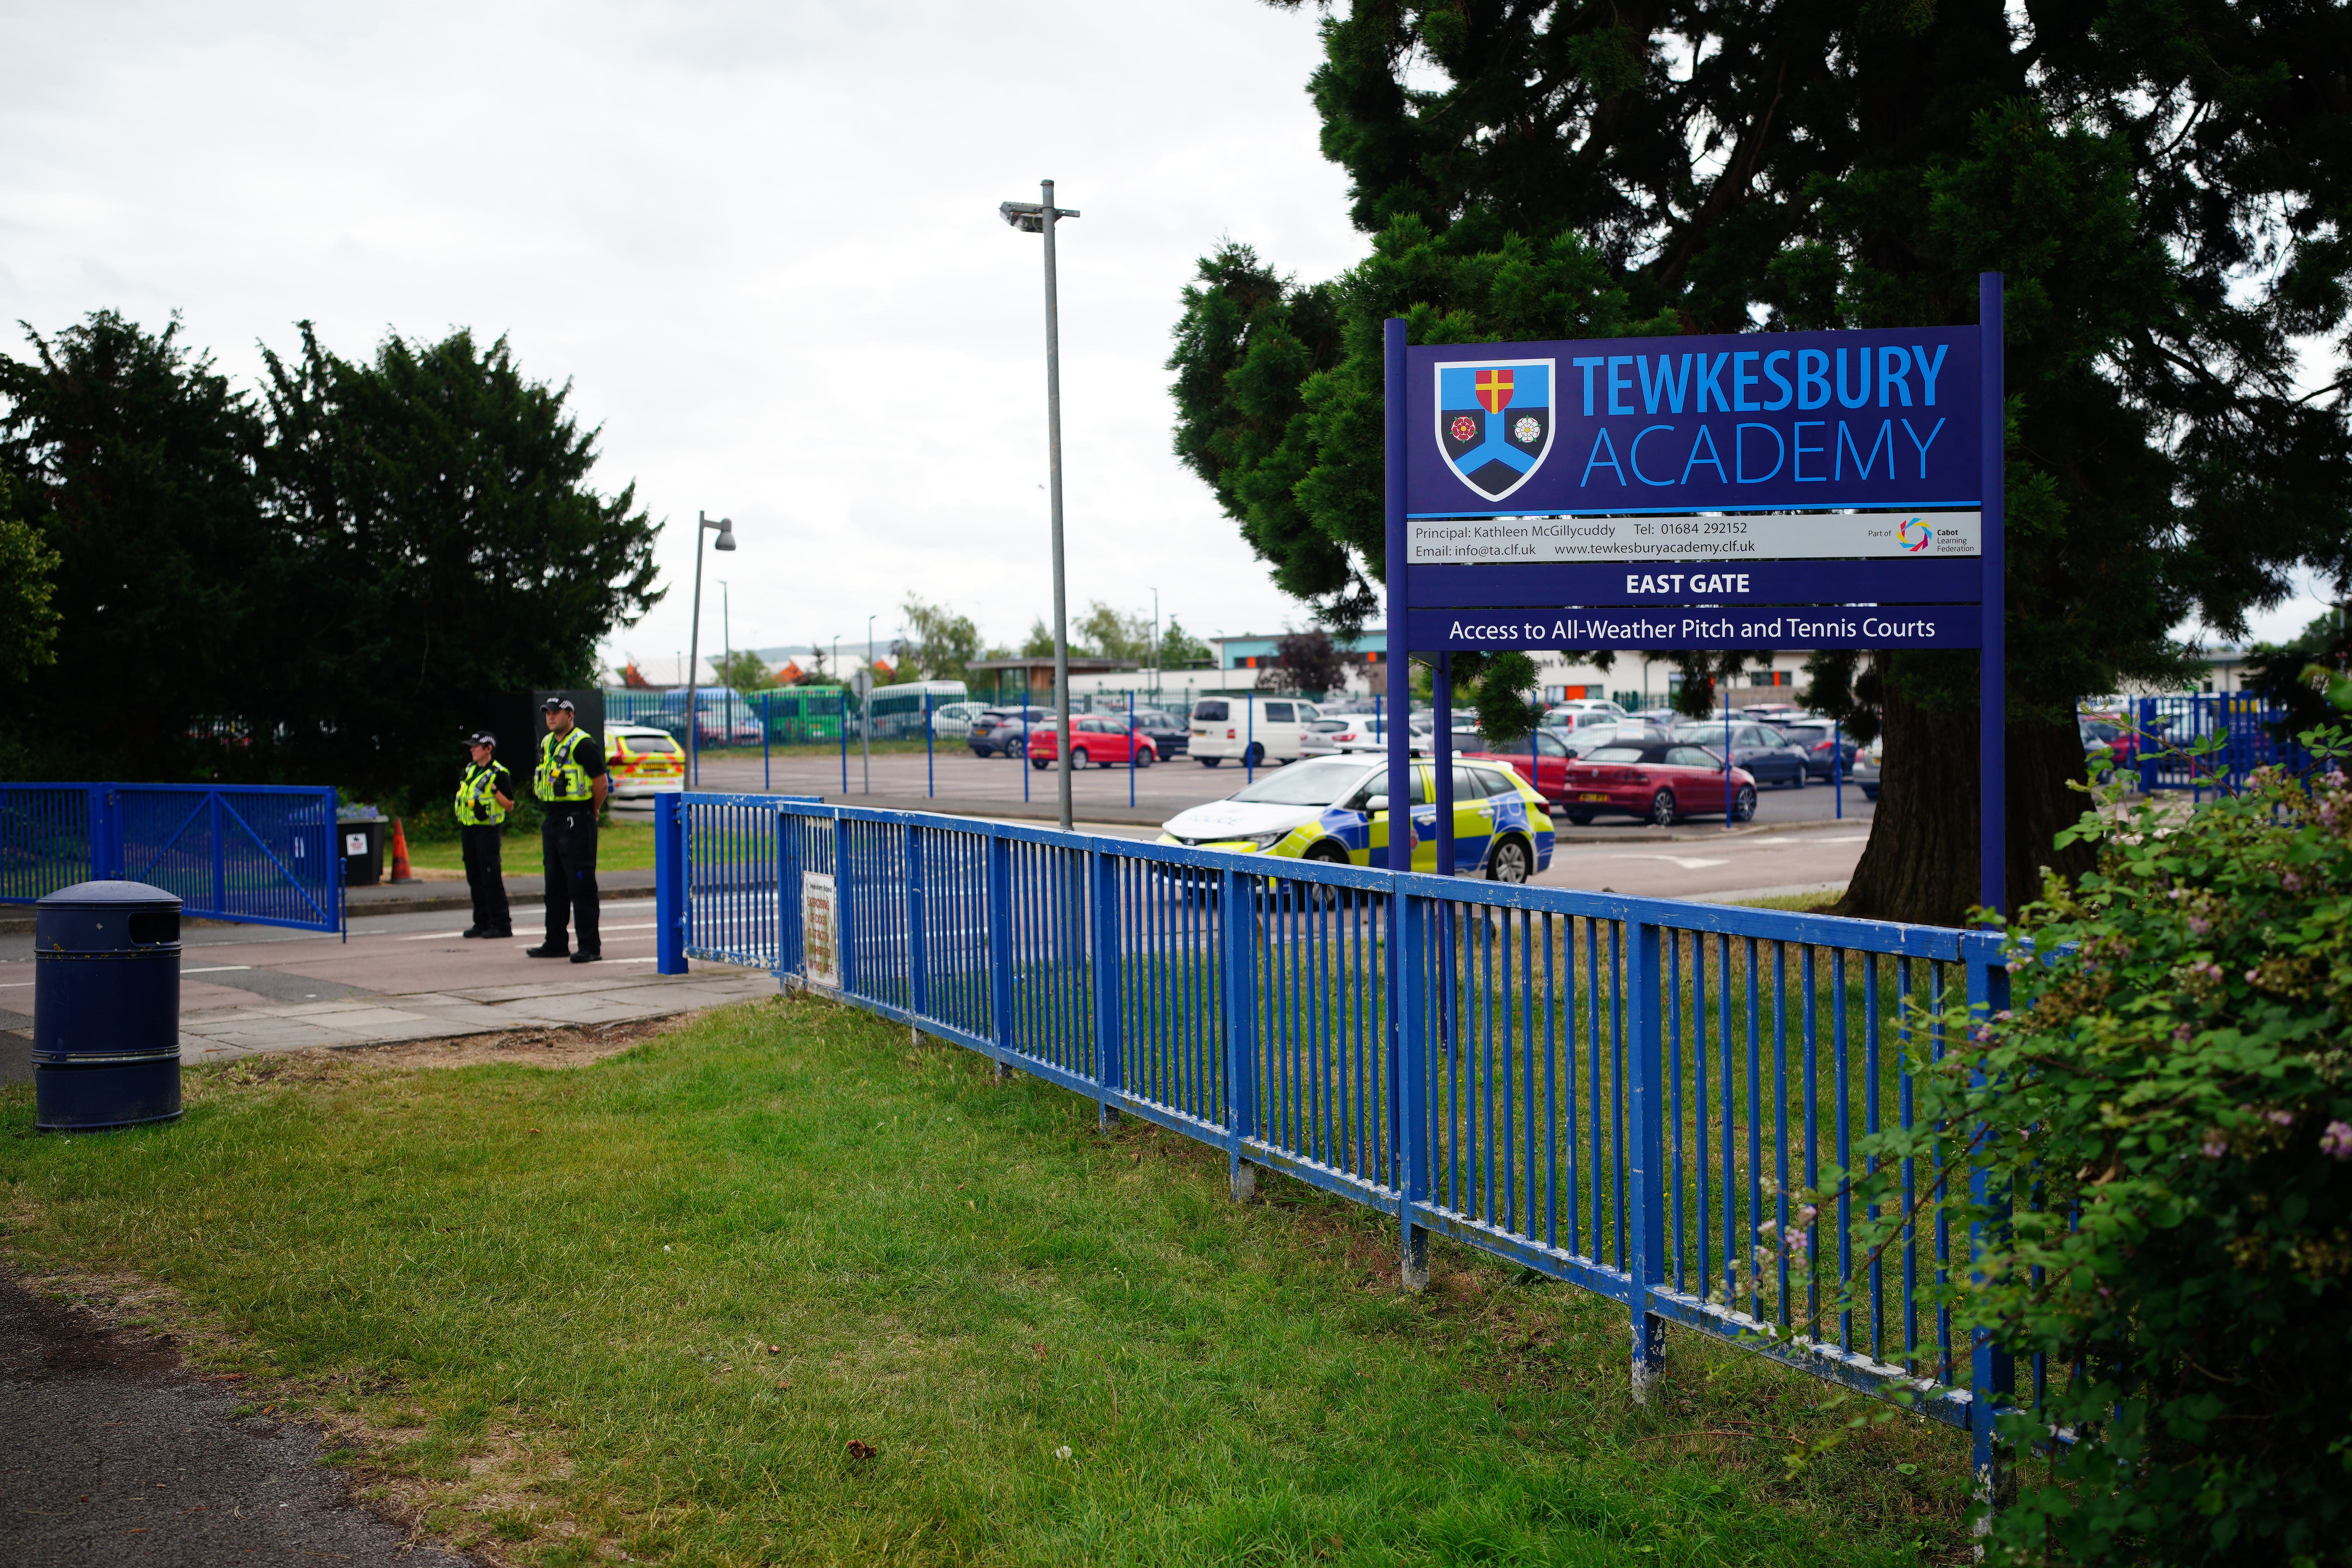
[(1914, 536), (1495, 421)]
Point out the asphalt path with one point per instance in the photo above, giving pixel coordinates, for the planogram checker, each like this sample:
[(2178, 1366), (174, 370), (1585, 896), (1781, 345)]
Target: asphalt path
[(117, 1454), (1166, 787)]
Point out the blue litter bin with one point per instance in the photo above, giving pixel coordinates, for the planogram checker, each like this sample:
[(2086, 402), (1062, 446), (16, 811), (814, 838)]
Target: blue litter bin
[(106, 1008)]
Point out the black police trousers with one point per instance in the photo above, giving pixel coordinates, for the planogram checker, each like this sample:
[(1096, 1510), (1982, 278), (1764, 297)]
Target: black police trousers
[(567, 842), (485, 877)]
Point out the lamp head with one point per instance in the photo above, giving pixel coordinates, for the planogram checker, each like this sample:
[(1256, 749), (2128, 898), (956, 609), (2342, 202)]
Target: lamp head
[(1029, 217), (726, 539)]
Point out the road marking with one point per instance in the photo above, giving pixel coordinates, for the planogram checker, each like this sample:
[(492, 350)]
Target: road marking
[(214, 968), (16, 985), (431, 936)]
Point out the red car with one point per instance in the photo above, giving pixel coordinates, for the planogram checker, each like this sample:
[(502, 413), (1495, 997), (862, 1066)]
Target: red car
[(1094, 743), (1661, 783)]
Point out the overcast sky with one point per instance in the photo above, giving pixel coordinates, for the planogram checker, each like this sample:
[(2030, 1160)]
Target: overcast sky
[(760, 240)]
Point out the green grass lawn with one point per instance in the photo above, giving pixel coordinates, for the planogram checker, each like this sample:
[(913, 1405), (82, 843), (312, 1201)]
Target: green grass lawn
[(620, 847), (554, 1294)]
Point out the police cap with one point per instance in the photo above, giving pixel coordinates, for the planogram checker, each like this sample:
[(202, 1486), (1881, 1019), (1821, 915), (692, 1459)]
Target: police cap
[(484, 738), (556, 705)]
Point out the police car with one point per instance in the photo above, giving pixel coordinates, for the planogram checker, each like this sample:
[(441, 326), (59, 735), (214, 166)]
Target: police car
[(1335, 809)]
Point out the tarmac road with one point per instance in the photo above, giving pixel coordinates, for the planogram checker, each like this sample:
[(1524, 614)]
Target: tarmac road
[(117, 1454)]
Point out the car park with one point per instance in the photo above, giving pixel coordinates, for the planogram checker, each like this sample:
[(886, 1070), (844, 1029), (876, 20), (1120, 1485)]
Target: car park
[(1769, 755), (1335, 810), (1096, 740), (641, 762), (1660, 782), (1005, 732), (1251, 729)]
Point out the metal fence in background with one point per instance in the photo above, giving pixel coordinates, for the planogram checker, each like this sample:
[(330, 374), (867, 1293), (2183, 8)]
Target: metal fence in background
[(1623, 1093), (260, 853), (2170, 737)]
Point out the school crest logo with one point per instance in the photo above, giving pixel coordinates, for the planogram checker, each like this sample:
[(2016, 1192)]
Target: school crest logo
[(1495, 421)]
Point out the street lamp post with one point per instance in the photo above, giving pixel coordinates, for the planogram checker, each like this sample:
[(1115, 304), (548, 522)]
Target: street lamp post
[(725, 528), (1040, 218)]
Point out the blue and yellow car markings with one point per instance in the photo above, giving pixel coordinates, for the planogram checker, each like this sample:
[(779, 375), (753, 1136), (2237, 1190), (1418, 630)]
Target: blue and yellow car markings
[(1476, 825)]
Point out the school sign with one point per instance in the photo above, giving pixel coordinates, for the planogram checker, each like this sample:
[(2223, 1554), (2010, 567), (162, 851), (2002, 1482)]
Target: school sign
[(1756, 491)]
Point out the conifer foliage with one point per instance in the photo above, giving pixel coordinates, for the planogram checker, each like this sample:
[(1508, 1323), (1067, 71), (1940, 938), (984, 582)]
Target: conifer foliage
[(2162, 183)]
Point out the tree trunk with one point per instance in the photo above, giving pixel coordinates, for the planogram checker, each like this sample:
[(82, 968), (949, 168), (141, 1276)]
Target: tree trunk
[(1921, 865)]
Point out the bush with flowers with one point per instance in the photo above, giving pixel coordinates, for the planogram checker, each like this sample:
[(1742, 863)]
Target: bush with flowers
[(2167, 1104)]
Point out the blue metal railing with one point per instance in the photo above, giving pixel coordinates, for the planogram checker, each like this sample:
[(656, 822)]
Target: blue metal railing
[(1629, 1094), (261, 854), (2199, 742)]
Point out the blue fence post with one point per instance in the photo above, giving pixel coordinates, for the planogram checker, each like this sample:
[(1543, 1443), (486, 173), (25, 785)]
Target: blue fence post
[(1992, 1371), (791, 955), (1646, 1183), (1409, 1079), (1110, 1044), (930, 778), (919, 985), (767, 723), (1837, 767), (845, 907), (840, 728), (1000, 948), (213, 807), (669, 885), (1238, 931)]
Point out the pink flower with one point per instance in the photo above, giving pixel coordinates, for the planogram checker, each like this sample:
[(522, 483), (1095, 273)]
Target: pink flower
[(2182, 1034), (2281, 1118), (1805, 1215), (2198, 925), (2213, 1148), (2337, 1142)]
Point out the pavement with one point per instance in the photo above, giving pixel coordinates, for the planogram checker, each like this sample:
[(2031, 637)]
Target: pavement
[(403, 975), (117, 1454)]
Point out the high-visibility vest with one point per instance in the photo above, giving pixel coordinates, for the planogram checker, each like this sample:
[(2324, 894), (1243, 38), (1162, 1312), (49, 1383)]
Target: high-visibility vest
[(477, 795), (558, 777)]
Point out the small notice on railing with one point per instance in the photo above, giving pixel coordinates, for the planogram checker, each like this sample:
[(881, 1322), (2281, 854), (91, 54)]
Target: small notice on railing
[(820, 932)]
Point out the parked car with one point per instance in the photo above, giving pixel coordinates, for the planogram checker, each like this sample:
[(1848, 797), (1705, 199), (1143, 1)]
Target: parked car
[(1166, 729), (1550, 753), (1865, 768), (1767, 754), (1336, 809), (1251, 729), (1822, 742), (1096, 740), (999, 731), (1322, 736), (1578, 712), (1662, 783), (2117, 735), (953, 721), (641, 762)]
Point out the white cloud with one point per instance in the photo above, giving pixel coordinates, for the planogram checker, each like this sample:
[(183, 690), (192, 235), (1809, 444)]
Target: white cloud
[(759, 241)]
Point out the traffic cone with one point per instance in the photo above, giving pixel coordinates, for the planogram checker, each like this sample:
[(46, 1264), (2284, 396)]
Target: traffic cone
[(400, 871)]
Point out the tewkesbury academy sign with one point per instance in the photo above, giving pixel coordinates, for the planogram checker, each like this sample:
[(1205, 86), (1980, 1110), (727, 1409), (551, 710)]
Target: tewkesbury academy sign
[(1760, 490)]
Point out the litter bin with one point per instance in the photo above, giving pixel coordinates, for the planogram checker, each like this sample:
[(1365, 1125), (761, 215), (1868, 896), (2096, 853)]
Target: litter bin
[(106, 1006), (362, 848)]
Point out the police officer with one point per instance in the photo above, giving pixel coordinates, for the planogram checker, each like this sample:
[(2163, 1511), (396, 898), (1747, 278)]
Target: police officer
[(485, 796), (571, 783)]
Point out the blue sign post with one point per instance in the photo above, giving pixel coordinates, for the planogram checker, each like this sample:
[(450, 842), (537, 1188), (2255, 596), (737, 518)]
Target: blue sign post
[(1754, 490)]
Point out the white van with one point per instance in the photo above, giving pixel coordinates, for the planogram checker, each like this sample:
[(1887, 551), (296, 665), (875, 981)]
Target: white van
[(1252, 729)]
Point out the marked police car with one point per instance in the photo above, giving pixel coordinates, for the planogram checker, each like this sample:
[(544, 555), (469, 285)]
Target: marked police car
[(1335, 809)]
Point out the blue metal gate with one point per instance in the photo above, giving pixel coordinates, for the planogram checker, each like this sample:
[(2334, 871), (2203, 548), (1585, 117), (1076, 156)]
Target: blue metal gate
[(261, 854)]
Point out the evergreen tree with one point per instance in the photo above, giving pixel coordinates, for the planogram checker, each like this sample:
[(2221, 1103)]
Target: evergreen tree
[(438, 513), (132, 460), (2160, 185)]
